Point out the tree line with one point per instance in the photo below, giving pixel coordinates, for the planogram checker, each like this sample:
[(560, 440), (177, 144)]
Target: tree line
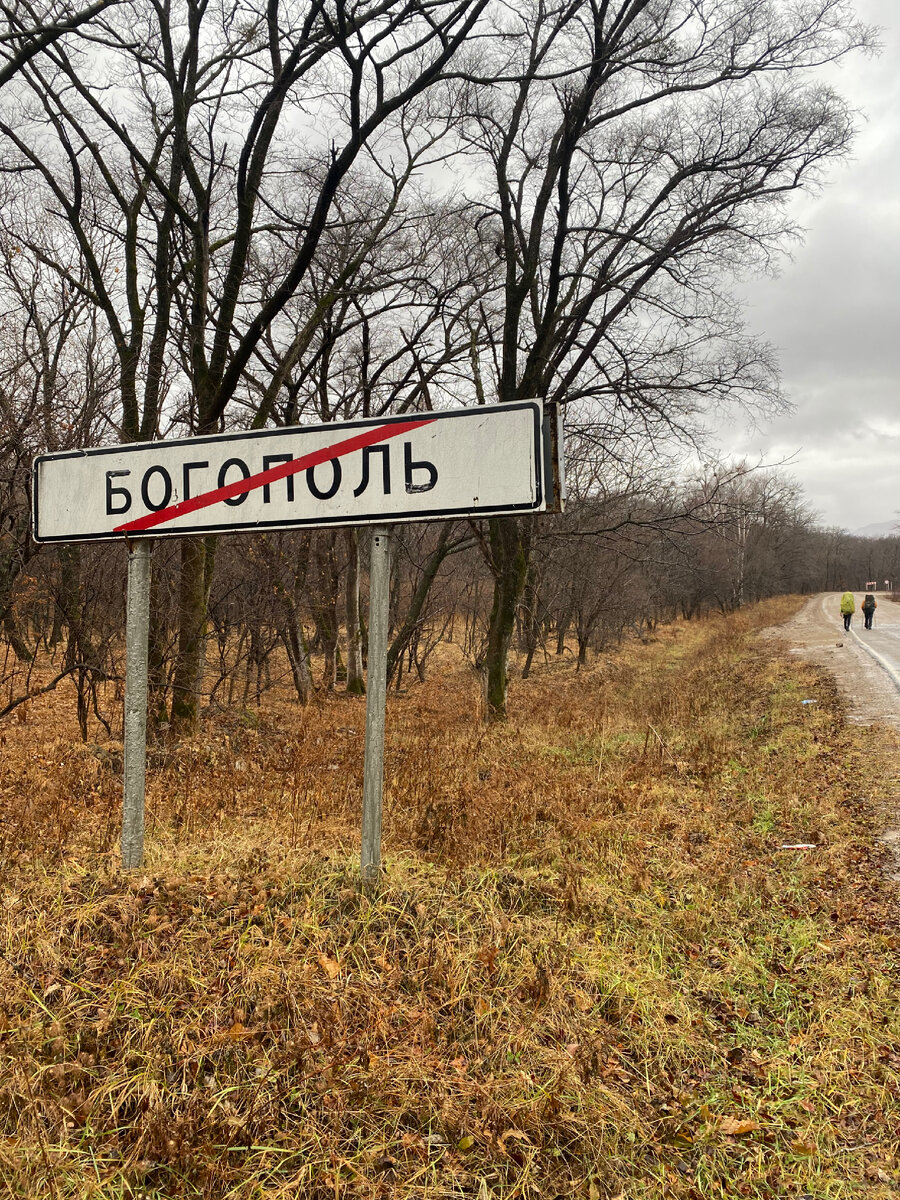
[(289, 609), (235, 217)]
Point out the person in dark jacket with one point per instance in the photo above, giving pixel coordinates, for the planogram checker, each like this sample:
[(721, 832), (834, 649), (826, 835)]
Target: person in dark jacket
[(868, 607), (848, 608)]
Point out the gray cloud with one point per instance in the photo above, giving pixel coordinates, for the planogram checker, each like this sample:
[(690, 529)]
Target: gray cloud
[(834, 317)]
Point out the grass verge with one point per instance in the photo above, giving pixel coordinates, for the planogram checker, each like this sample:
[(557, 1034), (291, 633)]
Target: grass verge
[(592, 969)]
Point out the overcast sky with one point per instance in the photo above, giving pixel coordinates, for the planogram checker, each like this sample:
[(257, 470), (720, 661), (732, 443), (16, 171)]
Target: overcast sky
[(834, 313)]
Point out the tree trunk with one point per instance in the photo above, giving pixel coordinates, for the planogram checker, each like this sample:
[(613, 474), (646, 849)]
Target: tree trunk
[(78, 647), (68, 598), (510, 568), (290, 627), (417, 604), (13, 635), (531, 624), (325, 604), (291, 633), (56, 630), (582, 648), (209, 565), (562, 630), (355, 680), (157, 655), (191, 636), (290, 630)]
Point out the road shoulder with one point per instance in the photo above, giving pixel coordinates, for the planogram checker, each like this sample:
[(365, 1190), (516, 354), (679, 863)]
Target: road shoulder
[(870, 695)]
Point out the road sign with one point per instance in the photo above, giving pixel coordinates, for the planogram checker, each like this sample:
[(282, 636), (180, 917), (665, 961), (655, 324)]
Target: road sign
[(469, 462)]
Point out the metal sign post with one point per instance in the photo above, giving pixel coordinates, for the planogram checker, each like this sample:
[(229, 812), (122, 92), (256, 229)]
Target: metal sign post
[(376, 695), (137, 629)]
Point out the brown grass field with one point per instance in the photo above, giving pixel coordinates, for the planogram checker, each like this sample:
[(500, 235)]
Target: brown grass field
[(590, 971)]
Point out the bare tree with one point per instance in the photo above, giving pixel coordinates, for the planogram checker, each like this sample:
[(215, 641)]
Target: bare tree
[(55, 384), (29, 30), (633, 157), (166, 152)]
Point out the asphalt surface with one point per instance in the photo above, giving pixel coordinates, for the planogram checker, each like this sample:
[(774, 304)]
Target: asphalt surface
[(865, 663), (882, 641)]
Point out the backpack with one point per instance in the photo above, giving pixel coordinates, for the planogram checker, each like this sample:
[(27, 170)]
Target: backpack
[(869, 603)]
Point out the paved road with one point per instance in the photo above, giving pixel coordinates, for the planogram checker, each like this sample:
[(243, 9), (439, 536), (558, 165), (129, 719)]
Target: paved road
[(882, 641), (865, 663)]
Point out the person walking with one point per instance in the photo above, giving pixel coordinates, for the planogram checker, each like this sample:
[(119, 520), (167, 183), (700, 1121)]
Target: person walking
[(868, 608), (848, 608)]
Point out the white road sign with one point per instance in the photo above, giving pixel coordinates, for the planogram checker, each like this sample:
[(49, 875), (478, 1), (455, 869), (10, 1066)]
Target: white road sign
[(463, 463)]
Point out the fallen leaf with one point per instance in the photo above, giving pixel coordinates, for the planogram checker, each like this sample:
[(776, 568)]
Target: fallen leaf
[(801, 1147), (519, 1134), (331, 967), (736, 1126), (878, 1173), (234, 1033)]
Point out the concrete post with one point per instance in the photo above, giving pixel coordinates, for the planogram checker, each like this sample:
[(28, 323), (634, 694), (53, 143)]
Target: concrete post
[(376, 688), (137, 627)]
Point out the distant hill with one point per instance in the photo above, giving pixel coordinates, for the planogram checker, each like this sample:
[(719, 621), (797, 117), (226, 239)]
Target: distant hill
[(879, 529)]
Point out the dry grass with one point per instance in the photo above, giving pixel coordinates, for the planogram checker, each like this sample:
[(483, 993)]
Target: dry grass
[(590, 971)]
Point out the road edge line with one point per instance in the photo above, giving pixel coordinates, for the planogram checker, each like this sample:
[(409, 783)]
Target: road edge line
[(882, 662)]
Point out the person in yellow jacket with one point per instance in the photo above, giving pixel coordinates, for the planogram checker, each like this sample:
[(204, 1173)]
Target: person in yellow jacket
[(848, 608)]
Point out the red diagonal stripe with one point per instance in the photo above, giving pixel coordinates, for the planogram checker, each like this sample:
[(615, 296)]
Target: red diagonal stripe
[(371, 437)]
